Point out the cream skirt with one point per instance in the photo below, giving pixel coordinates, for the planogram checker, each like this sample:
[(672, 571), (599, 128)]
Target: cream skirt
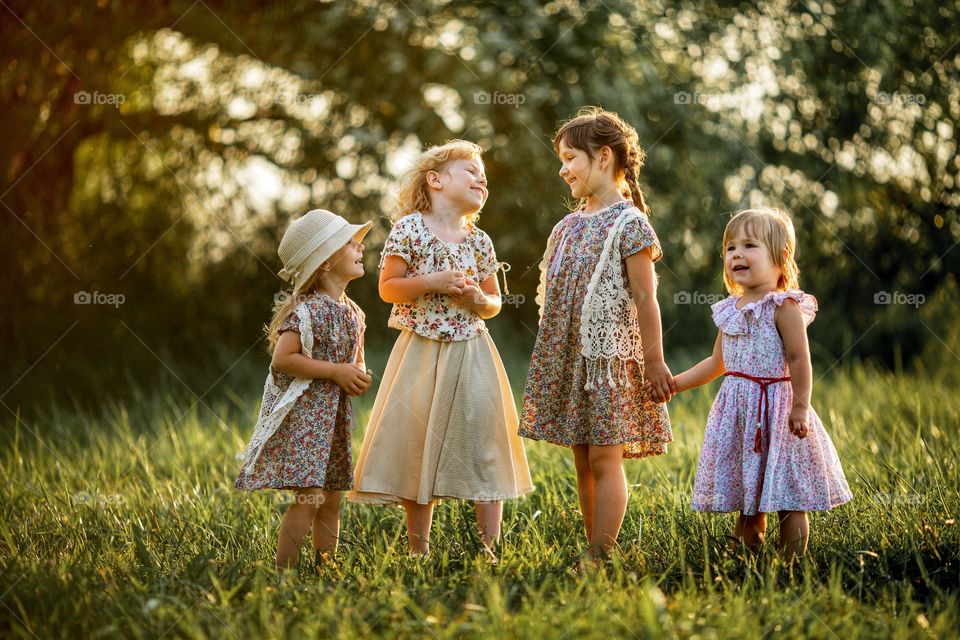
[(444, 425)]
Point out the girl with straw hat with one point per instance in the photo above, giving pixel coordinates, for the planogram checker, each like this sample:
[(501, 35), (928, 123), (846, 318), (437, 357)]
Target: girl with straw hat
[(302, 438)]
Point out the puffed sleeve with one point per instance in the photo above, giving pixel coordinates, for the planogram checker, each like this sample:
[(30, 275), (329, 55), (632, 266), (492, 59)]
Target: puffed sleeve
[(399, 242), (290, 323), (487, 264), (806, 302), (637, 235)]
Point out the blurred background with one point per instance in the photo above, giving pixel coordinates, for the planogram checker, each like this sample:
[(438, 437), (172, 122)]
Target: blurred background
[(153, 153)]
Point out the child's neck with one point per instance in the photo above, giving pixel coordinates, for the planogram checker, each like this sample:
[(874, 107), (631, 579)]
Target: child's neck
[(448, 222), (332, 285), (752, 294), (603, 198)]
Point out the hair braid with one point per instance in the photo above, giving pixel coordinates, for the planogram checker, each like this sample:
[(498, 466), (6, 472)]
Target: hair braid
[(635, 158)]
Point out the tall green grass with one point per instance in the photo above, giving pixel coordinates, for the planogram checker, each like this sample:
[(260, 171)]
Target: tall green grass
[(124, 524)]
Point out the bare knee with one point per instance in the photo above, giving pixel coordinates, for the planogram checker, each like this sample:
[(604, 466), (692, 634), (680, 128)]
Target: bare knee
[(606, 460), (581, 456)]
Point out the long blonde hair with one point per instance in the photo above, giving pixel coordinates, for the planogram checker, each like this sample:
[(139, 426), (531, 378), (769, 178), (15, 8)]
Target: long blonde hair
[(285, 302), (593, 128), (775, 229), (414, 193)]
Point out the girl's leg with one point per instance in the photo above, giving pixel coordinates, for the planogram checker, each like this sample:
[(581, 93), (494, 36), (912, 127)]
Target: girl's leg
[(296, 524), (751, 529), (610, 502), (586, 487), (489, 516), (419, 519), (794, 534), (326, 524)]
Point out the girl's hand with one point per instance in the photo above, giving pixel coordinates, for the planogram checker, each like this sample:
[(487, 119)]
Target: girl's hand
[(352, 379), (448, 282), (799, 421), (470, 296), (661, 381)]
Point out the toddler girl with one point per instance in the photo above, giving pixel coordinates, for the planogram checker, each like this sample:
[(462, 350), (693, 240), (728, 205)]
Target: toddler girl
[(764, 448)]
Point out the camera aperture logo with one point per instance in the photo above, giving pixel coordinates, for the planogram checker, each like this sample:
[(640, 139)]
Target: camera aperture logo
[(899, 297), (510, 99), (96, 297), (113, 99), (696, 297)]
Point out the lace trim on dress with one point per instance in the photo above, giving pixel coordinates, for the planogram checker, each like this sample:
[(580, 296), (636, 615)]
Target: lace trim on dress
[(276, 405), (609, 331)]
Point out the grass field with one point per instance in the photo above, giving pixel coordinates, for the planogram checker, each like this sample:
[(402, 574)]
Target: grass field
[(124, 524)]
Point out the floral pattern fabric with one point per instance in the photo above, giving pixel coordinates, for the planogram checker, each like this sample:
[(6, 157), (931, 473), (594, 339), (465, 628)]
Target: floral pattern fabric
[(789, 473), (312, 446), (434, 315), (556, 407)]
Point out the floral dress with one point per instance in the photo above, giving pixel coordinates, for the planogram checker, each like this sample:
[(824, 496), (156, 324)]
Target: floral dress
[(556, 407), (787, 473), (434, 315), (312, 446)]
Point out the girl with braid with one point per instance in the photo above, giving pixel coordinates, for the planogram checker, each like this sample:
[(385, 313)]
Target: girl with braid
[(600, 337)]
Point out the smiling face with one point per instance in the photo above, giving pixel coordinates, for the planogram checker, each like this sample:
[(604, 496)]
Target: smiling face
[(748, 263), (347, 262), (586, 176), (463, 182)]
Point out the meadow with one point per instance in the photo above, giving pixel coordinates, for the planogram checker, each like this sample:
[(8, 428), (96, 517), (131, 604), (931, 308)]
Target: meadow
[(122, 522)]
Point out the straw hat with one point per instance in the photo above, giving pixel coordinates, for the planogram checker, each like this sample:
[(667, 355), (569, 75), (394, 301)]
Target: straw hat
[(310, 240)]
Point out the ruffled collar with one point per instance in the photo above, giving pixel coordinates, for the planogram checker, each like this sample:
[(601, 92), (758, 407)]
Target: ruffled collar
[(734, 322)]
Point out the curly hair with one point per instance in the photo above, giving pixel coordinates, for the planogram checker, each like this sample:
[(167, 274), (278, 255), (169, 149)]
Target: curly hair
[(414, 195)]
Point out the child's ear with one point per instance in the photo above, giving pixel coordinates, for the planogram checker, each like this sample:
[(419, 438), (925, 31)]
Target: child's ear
[(433, 180), (606, 156)]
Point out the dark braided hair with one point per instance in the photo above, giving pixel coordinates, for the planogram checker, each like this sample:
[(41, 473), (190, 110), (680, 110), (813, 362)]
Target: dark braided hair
[(593, 128)]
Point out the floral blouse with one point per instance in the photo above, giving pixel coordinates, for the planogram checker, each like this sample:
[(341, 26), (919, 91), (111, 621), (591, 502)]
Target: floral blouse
[(434, 315)]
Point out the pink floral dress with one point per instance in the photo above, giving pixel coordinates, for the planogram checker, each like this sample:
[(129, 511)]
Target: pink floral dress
[(312, 446), (556, 407), (434, 315), (787, 473)]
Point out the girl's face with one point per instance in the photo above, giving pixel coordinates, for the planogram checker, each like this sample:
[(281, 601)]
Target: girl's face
[(464, 183), (586, 177), (749, 263), (347, 262)]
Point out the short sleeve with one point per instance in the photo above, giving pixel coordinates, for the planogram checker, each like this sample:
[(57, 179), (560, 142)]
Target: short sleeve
[(290, 323), (637, 235), (399, 242), (486, 256), (806, 302)]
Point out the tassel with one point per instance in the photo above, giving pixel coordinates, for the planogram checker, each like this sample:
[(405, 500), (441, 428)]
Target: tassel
[(758, 440), (504, 267)]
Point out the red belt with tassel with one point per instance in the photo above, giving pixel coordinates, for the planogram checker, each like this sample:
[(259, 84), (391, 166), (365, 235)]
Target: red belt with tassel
[(763, 408)]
